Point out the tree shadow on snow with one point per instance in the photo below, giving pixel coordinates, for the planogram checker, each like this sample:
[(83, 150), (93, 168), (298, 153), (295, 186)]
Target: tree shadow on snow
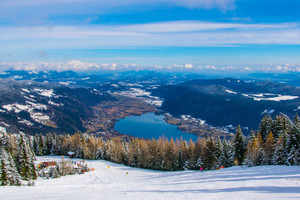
[(260, 189)]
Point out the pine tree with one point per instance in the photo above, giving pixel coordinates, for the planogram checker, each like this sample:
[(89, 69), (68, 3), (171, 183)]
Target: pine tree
[(297, 120), (252, 136), (26, 158), (3, 140), (181, 164), (211, 159), (293, 147), (48, 144), (239, 146), (218, 151), (280, 153), (4, 168), (8, 172), (15, 178), (265, 126), (41, 146), (35, 145), (269, 149), (278, 126), (12, 146), (227, 155)]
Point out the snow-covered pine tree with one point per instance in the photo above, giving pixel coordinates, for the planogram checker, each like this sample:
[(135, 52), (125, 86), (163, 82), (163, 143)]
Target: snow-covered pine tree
[(25, 159), (48, 144), (278, 126), (57, 147), (218, 150), (280, 153), (239, 146), (227, 155), (41, 146), (297, 120), (8, 172), (293, 147), (4, 168), (3, 139), (180, 165), (35, 144)]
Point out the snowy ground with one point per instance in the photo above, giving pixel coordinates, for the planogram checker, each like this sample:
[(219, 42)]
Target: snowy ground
[(267, 182)]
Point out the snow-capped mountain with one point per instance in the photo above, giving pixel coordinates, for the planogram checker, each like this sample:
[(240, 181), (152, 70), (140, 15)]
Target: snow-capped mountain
[(34, 107)]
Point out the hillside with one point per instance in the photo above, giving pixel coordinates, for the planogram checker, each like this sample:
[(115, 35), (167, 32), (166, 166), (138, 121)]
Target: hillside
[(34, 107), (229, 102), (264, 182)]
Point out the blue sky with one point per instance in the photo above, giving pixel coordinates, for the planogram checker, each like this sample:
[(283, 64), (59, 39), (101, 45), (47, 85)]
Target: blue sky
[(197, 33)]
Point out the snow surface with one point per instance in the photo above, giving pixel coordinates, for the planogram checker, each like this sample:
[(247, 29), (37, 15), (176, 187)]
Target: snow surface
[(231, 92), (25, 90), (55, 104), (277, 97), (267, 111), (264, 182), (44, 92)]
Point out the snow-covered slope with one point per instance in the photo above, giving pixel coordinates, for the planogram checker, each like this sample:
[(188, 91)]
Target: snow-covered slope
[(34, 108), (266, 182)]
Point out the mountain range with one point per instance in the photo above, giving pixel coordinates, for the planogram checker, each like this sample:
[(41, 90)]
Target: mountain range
[(229, 102)]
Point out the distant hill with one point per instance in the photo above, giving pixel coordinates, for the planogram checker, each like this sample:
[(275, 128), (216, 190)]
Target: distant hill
[(223, 102), (34, 107)]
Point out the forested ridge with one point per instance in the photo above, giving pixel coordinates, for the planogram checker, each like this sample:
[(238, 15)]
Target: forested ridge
[(276, 142)]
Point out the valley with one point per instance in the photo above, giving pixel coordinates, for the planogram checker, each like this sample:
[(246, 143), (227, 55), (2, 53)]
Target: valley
[(106, 114), (68, 102)]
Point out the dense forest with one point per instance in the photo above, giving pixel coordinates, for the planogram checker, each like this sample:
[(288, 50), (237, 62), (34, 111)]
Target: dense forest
[(16, 160), (276, 142)]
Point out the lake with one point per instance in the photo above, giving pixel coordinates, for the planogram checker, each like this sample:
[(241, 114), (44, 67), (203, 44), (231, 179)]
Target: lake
[(150, 126)]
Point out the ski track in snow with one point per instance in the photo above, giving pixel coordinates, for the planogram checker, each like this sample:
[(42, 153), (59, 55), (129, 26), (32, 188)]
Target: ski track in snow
[(264, 182)]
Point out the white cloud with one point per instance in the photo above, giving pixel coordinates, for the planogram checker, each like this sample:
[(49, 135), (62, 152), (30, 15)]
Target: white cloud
[(188, 66), (191, 26), (174, 33), (210, 67), (203, 4)]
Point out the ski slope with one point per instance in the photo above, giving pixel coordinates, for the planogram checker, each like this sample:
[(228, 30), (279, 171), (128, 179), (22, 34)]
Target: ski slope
[(265, 182)]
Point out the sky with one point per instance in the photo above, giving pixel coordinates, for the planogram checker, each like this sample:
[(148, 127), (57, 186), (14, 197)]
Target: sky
[(186, 34)]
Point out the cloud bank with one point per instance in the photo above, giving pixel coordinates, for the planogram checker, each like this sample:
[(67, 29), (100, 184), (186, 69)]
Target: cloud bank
[(77, 65)]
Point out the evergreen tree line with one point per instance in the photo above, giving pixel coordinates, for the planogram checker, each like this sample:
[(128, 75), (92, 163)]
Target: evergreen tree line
[(275, 143), (16, 160)]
